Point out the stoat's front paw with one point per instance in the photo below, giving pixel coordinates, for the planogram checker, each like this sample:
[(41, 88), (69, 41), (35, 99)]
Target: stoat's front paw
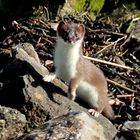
[(72, 96), (49, 78), (94, 113)]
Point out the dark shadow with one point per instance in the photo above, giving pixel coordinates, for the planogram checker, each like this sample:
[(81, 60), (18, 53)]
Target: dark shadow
[(21, 9), (11, 90), (11, 93)]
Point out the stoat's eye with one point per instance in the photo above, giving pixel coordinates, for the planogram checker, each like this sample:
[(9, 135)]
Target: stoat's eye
[(65, 34)]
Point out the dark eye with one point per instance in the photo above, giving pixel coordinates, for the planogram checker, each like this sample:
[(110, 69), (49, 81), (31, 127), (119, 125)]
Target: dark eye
[(65, 34)]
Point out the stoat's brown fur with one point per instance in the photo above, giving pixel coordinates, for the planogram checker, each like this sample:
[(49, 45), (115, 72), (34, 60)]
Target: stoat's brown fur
[(85, 80)]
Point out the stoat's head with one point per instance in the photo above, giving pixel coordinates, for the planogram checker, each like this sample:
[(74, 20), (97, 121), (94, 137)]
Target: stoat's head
[(70, 32)]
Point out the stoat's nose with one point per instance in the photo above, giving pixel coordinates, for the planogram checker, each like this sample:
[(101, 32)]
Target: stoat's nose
[(71, 39)]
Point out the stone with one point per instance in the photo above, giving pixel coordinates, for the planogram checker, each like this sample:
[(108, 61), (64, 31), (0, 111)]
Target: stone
[(24, 90), (12, 123), (129, 131), (72, 126), (29, 49)]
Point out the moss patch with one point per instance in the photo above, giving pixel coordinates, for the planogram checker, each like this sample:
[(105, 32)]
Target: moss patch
[(92, 7)]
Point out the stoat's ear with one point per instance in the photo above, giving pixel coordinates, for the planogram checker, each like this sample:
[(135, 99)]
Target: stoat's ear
[(60, 26), (81, 29)]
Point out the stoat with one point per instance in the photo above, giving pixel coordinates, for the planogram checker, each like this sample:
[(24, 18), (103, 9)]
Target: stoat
[(84, 79)]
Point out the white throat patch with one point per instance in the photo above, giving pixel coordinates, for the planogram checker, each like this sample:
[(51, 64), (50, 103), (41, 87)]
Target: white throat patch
[(65, 58)]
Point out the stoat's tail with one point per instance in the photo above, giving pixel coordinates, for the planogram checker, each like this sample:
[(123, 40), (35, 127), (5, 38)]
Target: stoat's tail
[(109, 113)]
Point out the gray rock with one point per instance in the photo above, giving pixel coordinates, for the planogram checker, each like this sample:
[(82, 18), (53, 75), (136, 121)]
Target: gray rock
[(12, 123), (24, 89), (73, 126), (29, 49), (129, 131)]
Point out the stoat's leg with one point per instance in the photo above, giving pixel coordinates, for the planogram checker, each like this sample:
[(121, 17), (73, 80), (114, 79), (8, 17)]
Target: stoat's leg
[(93, 112), (74, 83), (49, 77), (72, 95)]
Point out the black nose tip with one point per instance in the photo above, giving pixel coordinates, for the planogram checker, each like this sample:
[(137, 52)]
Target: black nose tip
[(70, 39)]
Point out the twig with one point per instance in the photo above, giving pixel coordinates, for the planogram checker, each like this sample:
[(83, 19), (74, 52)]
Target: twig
[(124, 53), (105, 31), (47, 40), (134, 58), (124, 96), (47, 13), (113, 43), (46, 25), (128, 39), (108, 63), (121, 86)]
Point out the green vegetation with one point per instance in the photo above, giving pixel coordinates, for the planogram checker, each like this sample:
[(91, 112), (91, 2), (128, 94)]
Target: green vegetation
[(79, 5), (92, 7), (130, 27)]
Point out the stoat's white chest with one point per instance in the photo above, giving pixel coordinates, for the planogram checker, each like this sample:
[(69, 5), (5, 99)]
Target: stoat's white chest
[(66, 57)]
